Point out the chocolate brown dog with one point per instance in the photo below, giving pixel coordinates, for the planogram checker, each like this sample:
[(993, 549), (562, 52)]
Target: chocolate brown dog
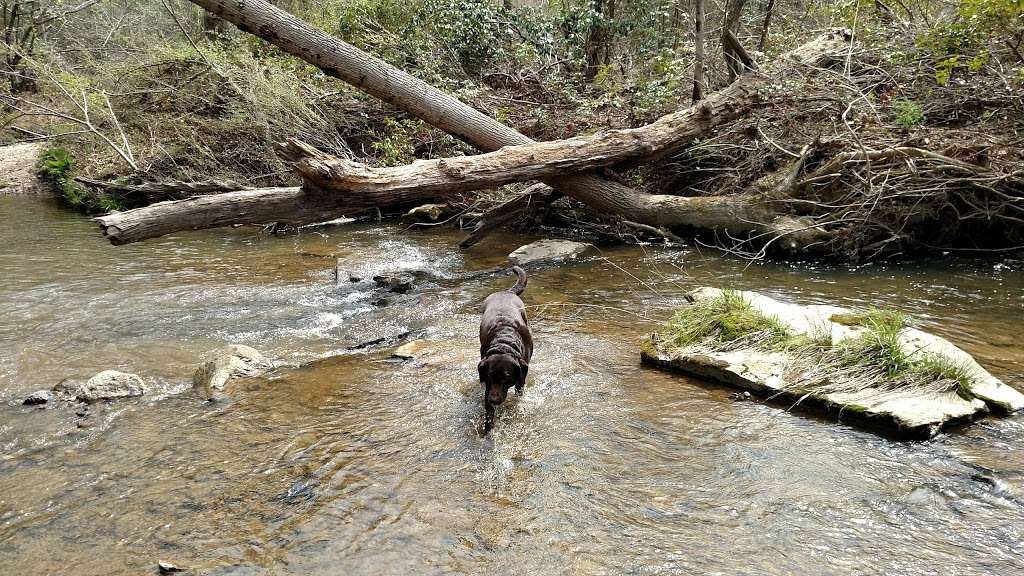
[(506, 345)]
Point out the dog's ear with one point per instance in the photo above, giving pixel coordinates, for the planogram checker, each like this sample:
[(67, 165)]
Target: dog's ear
[(482, 369), (523, 369)]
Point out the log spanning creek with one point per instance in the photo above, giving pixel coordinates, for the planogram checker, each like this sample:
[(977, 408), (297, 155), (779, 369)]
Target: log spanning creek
[(349, 461)]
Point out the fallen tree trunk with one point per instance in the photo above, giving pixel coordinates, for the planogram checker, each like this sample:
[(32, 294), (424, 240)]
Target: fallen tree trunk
[(447, 113), (259, 206), (151, 192), (428, 178), (738, 217), (387, 186), (378, 78), (529, 200)]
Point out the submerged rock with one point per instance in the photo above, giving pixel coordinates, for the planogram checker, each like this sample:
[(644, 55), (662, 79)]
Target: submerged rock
[(411, 350), (547, 252), (226, 363), (38, 397), (917, 412), (108, 385), (342, 275), (168, 568), (428, 213), (398, 282)]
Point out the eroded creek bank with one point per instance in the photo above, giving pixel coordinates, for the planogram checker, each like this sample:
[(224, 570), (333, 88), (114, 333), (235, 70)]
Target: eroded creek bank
[(361, 463)]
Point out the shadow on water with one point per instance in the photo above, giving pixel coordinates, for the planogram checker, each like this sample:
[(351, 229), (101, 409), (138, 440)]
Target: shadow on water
[(360, 464)]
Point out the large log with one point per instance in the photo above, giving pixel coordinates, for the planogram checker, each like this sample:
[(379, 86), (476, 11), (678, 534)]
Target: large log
[(741, 216), (429, 178), (260, 206), (378, 78), (662, 137), (447, 113)]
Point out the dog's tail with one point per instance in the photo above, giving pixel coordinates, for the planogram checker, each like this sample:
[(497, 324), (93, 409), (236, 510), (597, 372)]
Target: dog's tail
[(521, 280)]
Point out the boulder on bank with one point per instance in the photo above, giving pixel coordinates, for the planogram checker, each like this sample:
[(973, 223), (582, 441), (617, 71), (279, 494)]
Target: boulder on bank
[(548, 252), (810, 354), (107, 385), (223, 364)]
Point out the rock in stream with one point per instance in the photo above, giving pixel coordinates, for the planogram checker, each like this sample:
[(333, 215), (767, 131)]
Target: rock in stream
[(549, 252), (919, 413), (38, 397), (223, 364), (107, 385)]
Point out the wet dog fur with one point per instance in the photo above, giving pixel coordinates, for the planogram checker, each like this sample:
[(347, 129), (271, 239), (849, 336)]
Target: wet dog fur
[(506, 345)]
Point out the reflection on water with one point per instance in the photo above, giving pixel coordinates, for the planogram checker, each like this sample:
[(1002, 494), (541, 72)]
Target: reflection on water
[(358, 464)]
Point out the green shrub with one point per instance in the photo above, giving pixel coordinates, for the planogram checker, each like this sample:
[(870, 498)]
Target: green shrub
[(393, 143), (908, 113), (56, 165)]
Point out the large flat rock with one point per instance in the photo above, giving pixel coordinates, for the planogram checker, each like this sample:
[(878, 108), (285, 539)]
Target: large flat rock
[(549, 252), (918, 414)]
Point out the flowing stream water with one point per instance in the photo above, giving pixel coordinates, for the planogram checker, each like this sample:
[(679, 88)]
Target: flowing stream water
[(351, 462)]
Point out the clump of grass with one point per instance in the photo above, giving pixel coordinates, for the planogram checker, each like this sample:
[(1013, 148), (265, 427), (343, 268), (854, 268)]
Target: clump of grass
[(953, 374), (724, 319), (879, 345), (876, 360)]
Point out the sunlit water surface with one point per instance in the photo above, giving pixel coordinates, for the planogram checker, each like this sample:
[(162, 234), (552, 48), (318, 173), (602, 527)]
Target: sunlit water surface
[(354, 463)]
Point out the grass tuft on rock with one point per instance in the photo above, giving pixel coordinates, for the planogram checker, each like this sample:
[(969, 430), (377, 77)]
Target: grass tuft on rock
[(873, 360), (721, 320)]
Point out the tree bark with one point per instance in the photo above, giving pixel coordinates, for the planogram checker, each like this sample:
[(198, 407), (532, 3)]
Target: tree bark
[(289, 205), (430, 178), (739, 54), (763, 42), (733, 15), (599, 39), (380, 79), (698, 51)]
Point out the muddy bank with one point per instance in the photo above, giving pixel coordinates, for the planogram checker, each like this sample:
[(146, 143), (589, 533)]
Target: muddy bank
[(18, 166)]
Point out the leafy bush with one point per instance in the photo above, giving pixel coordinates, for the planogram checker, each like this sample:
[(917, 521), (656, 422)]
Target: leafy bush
[(56, 165), (908, 113)]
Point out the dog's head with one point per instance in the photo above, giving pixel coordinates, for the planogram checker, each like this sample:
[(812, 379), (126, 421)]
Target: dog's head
[(498, 373)]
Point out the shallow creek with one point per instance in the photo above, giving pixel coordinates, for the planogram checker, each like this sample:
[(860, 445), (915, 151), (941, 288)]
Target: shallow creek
[(354, 463)]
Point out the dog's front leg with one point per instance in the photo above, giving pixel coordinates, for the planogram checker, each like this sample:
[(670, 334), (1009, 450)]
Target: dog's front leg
[(488, 416)]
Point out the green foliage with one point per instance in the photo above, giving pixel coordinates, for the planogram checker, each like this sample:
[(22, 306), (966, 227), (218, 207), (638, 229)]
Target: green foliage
[(471, 29), (879, 345), (963, 41), (908, 113), (56, 165), (393, 143)]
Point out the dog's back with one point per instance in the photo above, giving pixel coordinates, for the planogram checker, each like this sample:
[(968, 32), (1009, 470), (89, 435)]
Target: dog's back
[(504, 312)]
